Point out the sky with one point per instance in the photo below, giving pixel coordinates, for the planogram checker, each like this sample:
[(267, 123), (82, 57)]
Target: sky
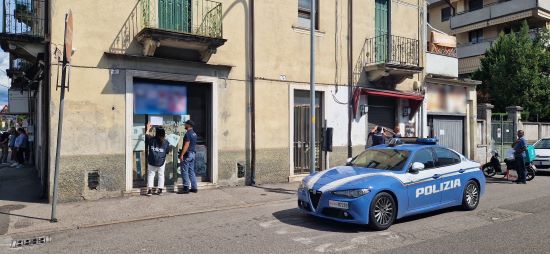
[(4, 81)]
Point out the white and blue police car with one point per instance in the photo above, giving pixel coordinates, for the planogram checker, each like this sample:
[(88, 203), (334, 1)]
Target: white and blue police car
[(388, 182)]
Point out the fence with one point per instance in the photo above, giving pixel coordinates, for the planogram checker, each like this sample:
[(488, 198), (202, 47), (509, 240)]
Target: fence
[(24, 18), (535, 131)]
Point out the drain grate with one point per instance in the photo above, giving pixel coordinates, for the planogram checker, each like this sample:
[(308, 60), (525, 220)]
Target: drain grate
[(30, 242)]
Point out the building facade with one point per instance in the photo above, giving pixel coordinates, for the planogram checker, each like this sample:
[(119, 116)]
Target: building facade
[(196, 55), (477, 23)]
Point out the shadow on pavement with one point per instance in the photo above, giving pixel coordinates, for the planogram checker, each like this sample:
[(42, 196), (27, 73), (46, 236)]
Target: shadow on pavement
[(296, 217), (277, 190), (20, 185)]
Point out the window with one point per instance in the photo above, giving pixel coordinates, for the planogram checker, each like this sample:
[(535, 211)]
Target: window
[(475, 36), (445, 14), (446, 157), (425, 156), (304, 13), (475, 5), (543, 144), (387, 159)]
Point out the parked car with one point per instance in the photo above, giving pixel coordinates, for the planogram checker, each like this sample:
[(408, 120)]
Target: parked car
[(388, 182), (542, 152)]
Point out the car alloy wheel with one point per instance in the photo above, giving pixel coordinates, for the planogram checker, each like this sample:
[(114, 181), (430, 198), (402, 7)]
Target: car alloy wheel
[(471, 196), (383, 210)]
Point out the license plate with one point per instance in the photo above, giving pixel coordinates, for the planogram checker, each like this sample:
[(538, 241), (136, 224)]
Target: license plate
[(542, 163), (338, 204)]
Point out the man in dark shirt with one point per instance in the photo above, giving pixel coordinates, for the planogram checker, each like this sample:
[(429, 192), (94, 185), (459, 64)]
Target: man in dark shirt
[(378, 136), (520, 149), (4, 141), (187, 159), (157, 148)]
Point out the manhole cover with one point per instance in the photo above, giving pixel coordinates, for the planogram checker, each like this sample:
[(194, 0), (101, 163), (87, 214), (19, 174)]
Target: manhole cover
[(30, 242)]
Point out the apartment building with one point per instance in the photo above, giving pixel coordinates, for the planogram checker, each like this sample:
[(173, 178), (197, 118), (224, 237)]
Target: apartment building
[(477, 23), (197, 54)]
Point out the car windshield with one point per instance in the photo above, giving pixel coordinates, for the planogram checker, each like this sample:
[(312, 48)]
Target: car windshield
[(543, 144), (387, 159)]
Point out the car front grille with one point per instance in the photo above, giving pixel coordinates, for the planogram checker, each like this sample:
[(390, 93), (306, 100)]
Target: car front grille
[(315, 196)]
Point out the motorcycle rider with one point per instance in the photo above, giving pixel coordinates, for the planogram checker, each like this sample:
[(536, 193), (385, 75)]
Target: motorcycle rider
[(520, 149)]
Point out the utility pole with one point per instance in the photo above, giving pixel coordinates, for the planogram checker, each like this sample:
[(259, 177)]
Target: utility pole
[(312, 148), (350, 75)]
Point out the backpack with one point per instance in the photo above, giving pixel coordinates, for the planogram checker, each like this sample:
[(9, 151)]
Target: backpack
[(530, 153)]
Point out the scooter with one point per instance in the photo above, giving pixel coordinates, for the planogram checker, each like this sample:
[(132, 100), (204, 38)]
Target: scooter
[(493, 167)]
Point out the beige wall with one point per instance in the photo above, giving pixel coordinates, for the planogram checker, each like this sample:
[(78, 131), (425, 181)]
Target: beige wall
[(95, 125)]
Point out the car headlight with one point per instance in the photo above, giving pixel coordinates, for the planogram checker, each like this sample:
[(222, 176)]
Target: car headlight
[(303, 185), (352, 193)]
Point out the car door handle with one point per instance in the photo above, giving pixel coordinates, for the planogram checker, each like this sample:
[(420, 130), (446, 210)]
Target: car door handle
[(436, 176), (461, 171)]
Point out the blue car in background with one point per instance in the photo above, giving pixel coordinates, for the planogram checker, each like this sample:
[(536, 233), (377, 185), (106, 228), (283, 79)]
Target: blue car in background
[(388, 182)]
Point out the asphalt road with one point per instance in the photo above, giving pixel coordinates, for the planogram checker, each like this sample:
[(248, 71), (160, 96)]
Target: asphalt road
[(510, 219)]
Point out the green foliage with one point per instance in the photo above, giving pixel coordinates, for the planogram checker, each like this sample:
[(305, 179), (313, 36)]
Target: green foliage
[(515, 72)]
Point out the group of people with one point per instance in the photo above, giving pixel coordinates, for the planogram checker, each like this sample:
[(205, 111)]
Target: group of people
[(16, 141), (379, 135), (158, 147)]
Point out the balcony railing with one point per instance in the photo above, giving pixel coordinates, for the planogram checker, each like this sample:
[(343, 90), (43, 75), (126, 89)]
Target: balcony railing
[(391, 49), (24, 18), (198, 17), (495, 10)]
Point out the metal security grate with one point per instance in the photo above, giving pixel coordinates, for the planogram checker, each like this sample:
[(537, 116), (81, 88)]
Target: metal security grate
[(30, 242)]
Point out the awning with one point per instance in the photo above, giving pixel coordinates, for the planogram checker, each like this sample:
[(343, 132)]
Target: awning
[(415, 100)]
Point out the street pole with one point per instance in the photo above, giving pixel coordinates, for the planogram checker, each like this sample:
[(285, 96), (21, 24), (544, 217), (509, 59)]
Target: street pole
[(67, 53), (312, 149)]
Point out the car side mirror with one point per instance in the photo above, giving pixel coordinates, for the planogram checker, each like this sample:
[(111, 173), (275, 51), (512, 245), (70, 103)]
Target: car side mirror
[(416, 167), (348, 161)]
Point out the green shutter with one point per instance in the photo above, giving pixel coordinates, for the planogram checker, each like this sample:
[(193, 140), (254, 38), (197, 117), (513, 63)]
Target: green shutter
[(381, 29), (174, 15)]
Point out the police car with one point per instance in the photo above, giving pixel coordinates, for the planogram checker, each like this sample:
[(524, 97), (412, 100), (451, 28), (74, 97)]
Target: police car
[(388, 182)]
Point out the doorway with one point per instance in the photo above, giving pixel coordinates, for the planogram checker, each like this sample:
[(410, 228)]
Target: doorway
[(381, 29), (191, 101), (449, 131), (302, 133)]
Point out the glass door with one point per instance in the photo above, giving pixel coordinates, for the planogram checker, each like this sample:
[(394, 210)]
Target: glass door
[(175, 15)]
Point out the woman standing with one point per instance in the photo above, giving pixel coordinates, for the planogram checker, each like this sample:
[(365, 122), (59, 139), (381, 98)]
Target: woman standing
[(21, 143), (157, 147)]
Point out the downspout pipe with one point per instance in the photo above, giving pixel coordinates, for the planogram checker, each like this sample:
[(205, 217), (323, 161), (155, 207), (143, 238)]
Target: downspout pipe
[(252, 97), (350, 75)]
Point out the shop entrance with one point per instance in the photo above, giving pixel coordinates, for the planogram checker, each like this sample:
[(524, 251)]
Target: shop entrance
[(168, 105)]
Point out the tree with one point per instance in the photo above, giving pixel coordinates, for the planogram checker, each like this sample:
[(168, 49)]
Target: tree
[(515, 72)]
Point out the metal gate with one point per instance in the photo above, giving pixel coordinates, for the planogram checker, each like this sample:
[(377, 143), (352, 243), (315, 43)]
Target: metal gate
[(450, 132), (502, 133), (301, 138)]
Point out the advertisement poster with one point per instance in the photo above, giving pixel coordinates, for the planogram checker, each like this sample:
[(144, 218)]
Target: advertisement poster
[(152, 98)]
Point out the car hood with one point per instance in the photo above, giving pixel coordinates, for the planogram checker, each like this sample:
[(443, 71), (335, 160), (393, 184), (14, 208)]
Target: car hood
[(339, 176), (542, 152)]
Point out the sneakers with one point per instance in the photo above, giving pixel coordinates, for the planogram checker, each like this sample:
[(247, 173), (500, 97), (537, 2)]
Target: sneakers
[(149, 193), (19, 166), (185, 190), (194, 190), (14, 164), (159, 192)]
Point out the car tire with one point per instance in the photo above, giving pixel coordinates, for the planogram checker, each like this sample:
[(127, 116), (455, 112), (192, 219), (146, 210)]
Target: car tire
[(382, 212), (471, 195)]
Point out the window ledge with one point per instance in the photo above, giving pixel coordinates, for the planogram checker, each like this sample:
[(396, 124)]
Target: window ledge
[(306, 30)]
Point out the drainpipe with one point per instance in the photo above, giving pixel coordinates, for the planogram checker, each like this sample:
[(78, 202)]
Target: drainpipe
[(350, 75), (252, 97), (389, 44)]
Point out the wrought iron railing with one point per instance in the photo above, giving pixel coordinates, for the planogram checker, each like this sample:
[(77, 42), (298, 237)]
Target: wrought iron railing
[(24, 17), (391, 50), (199, 17), (440, 50)]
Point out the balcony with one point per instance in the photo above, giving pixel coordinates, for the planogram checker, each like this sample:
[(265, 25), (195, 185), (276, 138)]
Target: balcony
[(499, 13), (180, 29), (441, 58), (389, 56)]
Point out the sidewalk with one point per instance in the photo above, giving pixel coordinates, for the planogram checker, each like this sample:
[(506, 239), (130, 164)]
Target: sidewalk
[(24, 218)]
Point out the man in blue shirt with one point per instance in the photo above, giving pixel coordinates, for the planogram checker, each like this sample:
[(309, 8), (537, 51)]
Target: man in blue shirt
[(187, 159), (520, 148)]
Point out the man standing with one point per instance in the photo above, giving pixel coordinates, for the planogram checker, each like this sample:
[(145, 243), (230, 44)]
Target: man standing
[(520, 148), (187, 159), (4, 142), (378, 136), (158, 148)]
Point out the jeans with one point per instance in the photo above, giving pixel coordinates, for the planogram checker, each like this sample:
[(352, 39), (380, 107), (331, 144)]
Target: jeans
[(520, 168), (188, 171), (151, 176), (5, 151), (21, 155)]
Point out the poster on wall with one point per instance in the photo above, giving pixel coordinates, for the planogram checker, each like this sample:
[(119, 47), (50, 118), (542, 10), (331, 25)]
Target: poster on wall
[(156, 98)]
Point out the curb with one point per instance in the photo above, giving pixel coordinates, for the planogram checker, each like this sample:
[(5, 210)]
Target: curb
[(103, 224)]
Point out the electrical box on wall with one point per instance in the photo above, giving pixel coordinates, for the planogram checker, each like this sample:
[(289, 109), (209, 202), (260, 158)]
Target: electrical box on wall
[(240, 169)]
